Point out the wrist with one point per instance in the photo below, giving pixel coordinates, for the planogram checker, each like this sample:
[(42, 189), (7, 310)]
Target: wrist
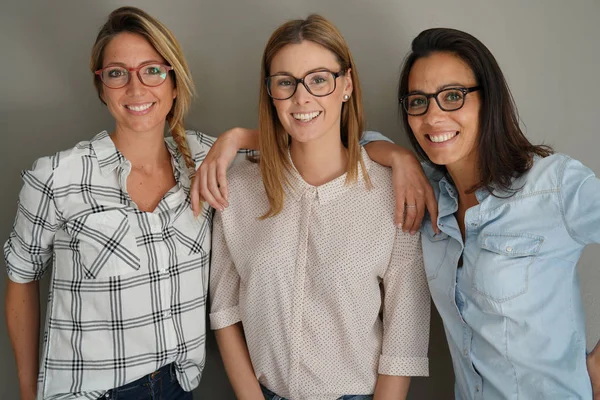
[(28, 392), (235, 136), (402, 157)]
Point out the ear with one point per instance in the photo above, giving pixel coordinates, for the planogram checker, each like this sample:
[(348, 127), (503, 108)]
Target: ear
[(174, 93), (348, 85)]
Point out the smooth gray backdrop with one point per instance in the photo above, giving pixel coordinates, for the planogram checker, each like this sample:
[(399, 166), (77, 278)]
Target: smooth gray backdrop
[(548, 50)]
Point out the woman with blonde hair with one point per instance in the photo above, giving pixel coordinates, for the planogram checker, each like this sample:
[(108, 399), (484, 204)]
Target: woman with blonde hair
[(332, 301), (126, 308)]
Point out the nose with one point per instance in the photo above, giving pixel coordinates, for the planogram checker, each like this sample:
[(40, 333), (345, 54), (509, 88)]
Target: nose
[(302, 95), (434, 113), (135, 86)]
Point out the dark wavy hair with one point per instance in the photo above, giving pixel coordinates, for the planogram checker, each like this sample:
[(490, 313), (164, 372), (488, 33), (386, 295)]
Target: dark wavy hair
[(504, 151)]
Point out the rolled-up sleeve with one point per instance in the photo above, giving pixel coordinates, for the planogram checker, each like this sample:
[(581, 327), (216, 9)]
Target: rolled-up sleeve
[(224, 281), (28, 250), (406, 310)]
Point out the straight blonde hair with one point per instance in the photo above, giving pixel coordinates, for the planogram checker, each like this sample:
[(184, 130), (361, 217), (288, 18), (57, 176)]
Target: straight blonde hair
[(134, 20), (274, 141)]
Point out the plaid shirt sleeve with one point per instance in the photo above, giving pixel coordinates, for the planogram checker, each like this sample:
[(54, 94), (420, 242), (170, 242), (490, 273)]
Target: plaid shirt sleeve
[(28, 250)]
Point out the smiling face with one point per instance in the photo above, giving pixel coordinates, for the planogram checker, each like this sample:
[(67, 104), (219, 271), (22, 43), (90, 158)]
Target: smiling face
[(448, 138), (303, 116), (136, 107)]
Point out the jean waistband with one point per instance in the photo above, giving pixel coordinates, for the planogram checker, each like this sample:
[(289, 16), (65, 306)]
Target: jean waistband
[(165, 371)]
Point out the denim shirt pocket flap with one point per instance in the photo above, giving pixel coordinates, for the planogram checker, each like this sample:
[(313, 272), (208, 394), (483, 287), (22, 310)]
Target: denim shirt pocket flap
[(512, 245)]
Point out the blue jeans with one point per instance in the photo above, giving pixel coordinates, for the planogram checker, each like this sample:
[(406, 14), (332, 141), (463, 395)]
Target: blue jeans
[(272, 396), (159, 385)]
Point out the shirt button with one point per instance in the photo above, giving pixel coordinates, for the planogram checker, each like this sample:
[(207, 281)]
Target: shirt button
[(466, 352), (508, 249), (163, 271), (477, 388), (167, 314)]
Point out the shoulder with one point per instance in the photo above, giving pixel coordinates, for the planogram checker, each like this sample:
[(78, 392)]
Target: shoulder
[(68, 158), (198, 142), (244, 174), (548, 173), (247, 195)]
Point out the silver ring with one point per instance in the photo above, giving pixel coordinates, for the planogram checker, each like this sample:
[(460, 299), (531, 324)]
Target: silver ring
[(410, 206)]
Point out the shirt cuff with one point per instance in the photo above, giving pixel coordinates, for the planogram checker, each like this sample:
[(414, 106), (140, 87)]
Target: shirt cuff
[(19, 275), (224, 318), (403, 366)]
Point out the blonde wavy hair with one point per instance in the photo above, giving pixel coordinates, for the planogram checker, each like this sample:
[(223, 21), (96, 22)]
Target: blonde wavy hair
[(134, 20), (274, 141)]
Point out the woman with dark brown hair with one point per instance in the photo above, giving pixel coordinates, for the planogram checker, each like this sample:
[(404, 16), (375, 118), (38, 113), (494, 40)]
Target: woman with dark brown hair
[(514, 219)]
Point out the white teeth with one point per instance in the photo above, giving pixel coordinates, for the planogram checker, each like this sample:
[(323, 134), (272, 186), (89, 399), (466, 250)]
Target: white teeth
[(140, 108), (442, 138), (305, 117)]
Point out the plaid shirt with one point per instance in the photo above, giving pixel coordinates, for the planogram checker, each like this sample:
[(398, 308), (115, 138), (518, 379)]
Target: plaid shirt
[(128, 288)]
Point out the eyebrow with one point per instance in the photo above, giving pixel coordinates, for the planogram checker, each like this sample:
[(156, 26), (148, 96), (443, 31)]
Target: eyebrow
[(306, 73), (442, 87), (120, 64)]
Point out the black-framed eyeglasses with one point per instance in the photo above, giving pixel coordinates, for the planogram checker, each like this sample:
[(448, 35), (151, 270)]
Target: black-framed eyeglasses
[(151, 74), (448, 99), (318, 83)]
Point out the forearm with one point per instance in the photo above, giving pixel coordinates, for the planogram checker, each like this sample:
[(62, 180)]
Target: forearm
[(238, 365), (245, 138), (388, 154), (23, 322), (391, 387)]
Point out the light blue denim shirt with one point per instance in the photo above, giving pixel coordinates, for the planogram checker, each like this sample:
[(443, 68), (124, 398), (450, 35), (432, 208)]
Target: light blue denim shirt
[(512, 312)]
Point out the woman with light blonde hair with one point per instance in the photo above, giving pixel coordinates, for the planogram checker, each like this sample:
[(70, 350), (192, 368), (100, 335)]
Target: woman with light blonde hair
[(332, 301), (112, 215)]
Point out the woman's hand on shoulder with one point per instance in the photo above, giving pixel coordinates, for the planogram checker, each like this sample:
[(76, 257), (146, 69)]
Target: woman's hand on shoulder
[(210, 182), (411, 187), (413, 193)]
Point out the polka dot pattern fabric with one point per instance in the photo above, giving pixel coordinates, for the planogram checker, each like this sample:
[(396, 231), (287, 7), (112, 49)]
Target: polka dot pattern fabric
[(330, 293)]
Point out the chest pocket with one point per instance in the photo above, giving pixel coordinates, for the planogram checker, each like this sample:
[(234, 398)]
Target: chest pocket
[(435, 247), (105, 243), (193, 233), (502, 267)]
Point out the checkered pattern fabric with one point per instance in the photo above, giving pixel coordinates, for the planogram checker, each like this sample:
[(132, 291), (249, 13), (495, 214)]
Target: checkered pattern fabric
[(128, 288)]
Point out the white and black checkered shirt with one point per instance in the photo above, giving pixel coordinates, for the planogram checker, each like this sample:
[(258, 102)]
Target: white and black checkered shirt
[(128, 288)]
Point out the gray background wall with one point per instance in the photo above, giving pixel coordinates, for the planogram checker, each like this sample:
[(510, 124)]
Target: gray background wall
[(548, 50)]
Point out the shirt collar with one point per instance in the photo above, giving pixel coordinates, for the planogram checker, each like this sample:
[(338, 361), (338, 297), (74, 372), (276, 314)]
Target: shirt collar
[(298, 187), (109, 157), (107, 154), (448, 190)]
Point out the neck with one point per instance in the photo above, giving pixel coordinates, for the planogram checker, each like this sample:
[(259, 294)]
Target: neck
[(465, 175), (142, 149), (320, 161)]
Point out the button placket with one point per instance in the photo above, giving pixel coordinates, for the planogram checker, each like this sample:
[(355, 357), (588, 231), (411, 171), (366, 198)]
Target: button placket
[(307, 200)]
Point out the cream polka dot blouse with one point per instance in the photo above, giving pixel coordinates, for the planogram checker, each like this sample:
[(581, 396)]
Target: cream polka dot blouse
[(329, 292)]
